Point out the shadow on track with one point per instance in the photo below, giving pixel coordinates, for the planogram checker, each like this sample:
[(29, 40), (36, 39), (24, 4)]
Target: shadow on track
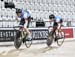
[(4, 45), (45, 49)]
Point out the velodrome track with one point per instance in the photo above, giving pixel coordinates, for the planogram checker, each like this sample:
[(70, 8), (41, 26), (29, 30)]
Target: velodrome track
[(38, 50)]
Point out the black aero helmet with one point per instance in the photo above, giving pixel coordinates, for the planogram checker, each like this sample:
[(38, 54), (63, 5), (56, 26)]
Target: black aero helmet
[(51, 16), (18, 10)]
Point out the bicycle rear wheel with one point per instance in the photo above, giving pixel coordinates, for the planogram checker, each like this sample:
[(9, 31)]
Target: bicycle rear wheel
[(28, 43), (61, 39), (17, 40), (49, 39)]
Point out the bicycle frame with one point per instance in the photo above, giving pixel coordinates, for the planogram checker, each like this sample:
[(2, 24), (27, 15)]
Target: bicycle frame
[(22, 38)]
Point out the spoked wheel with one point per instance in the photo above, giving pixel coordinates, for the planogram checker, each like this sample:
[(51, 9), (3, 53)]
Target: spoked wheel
[(49, 39), (61, 39), (17, 40), (28, 43)]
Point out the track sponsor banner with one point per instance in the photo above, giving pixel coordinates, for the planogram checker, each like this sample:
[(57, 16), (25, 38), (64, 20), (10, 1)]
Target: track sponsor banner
[(7, 35), (68, 32), (74, 32), (37, 33)]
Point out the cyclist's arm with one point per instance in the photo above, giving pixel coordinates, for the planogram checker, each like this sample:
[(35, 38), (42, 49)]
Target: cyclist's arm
[(50, 20), (59, 24), (17, 18), (26, 19)]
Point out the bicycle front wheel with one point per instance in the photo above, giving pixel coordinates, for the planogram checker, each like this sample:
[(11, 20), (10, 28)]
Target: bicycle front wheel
[(61, 39), (50, 39), (17, 40)]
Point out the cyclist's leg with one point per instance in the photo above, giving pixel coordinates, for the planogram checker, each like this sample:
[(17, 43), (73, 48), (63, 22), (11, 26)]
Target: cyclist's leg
[(24, 24), (55, 27), (59, 27), (59, 24), (55, 30), (60, 31), (27, 31), (21, 24)]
